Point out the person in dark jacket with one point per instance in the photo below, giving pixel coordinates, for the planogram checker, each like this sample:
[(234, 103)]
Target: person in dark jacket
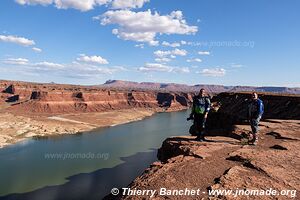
[(200, 109), (255, 112)]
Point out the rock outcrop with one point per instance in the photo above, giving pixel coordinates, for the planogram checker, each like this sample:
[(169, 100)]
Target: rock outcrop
[(231, 108), (10, 89), (276, 106)]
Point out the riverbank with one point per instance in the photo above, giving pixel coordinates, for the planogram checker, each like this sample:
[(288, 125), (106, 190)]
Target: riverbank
[(15, 128)]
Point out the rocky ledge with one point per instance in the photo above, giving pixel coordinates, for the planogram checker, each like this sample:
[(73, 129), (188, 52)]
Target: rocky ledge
[(225, 162)]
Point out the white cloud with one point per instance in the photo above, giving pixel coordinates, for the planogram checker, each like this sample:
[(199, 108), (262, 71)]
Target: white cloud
[(16, 61), (172, 53), (140, 45), (175, 44), (102, 2), (137, 36), (183, 42), (82, 5), (17, 40), (71, 70), (34, 2), (92, 59), (144, 26), (122, 4), (215, 72), (163, 60), (25, 62), (154, 43), (194, 60), (157, 67), (204, 53), (179, 52), (160, 53), (181, 70), (234, 65), (37, 49), (49, 65), (92, 70), (86, 5)]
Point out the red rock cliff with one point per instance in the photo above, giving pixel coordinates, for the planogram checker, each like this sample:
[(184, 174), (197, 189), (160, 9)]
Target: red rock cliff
[(53, 98)]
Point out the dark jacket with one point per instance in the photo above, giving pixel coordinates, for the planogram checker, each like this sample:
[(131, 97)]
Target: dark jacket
[(201, 105), (255, 109)]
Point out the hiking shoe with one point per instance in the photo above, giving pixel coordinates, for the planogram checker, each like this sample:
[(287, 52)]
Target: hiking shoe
[(254, 141)]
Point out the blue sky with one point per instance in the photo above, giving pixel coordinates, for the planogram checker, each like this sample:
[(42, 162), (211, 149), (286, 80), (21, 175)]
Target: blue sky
[(250, 42)]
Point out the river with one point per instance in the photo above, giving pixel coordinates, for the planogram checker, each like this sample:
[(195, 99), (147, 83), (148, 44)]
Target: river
[(85, 166)]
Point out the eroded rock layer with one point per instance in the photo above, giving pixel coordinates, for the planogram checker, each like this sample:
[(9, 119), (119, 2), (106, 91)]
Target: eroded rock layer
[(53, 98)]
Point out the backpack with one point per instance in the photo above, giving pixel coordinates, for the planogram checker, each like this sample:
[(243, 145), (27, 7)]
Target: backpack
[(200, 105)]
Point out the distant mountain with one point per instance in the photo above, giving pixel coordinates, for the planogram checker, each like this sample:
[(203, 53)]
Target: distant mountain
[(119, 84), (163, 86)]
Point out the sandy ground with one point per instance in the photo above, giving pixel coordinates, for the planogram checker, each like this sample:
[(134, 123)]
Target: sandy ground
[(15, 128)]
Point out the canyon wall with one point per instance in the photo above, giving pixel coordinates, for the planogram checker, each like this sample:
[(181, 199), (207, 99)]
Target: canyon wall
[(53, 98)]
